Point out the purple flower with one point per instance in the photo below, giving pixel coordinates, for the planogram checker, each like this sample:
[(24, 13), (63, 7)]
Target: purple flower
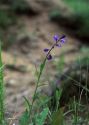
[(49, 57), (46, 50), (58, 45), (62, 39), (56, 38)]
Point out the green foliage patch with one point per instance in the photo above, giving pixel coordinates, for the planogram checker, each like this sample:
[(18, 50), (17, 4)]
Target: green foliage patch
[(81, 10), (19, 5), (6, 19), (77, 21)]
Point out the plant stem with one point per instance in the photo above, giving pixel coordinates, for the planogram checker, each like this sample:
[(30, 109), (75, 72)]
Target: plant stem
[(39, 76), (1, 90)]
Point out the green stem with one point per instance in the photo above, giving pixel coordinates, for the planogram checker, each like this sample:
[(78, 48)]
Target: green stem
[(40, 73), (1, 91)]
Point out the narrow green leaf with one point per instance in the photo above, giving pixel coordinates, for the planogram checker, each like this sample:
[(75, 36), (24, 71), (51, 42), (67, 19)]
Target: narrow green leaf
[(24, 120), (40, 119), (42, 67), (31, 124), (1, 90), (28, 105)]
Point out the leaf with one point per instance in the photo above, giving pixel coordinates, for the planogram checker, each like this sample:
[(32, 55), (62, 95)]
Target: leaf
[(42, 66), (31, 124), (40, 119), (28, 105), (24, 118), (58, 94), (1, 89), (58, 118)]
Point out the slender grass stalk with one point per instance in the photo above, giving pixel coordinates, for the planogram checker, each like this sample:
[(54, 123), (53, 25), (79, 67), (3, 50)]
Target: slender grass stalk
[(75, 112), (1, 91), (87, 82)]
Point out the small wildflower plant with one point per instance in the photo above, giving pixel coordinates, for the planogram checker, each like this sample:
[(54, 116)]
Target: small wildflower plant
[(40, 119), (58, 41)]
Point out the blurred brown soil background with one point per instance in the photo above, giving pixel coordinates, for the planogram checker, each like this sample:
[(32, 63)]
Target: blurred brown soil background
[(34, 32)]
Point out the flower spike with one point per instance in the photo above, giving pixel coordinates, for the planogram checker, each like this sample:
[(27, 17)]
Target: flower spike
[(58, 43)]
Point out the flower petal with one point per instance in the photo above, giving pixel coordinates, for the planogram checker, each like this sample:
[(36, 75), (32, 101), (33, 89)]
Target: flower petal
[(62, 40), (63, 37), (49, 57), (58, 45), (46, 50), (56, 38)]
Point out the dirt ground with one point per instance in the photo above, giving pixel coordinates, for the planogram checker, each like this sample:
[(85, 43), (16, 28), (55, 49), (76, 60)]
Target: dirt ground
[(26, 54)]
